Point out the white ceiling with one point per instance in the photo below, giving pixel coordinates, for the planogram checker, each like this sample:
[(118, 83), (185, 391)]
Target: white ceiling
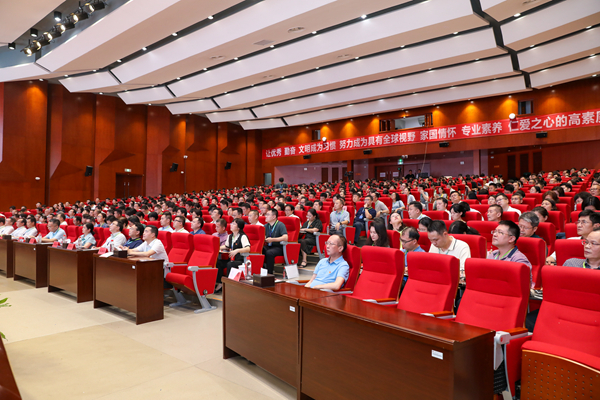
[(440, 50)]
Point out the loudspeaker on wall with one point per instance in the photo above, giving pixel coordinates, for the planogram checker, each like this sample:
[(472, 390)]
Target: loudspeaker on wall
[(228, 165), (174, 167), (89, 170)]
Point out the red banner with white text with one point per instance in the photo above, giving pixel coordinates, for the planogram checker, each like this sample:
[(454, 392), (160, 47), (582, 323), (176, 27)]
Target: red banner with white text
[(578, 119)]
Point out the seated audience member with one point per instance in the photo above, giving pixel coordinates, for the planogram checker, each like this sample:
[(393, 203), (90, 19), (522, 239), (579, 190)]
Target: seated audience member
[(338, 218), (502, 201), (494, 213), (253, 218), (331, 273), (31, 231), (541, 213), (152, 248), (591, 251), (197, 225), (461, 228), (77, 221), (289, 211), (586, 223), (397, 204), (87, 239), (312, 225), (165, 222), (18, 232), (491, 200), (378, 234), (62, 219), (236, 245), (441, 204), (380, 207), (415, 210), (595, 188), (116, 238), (263, 208), (443, 243), (528, 224), (275, 233), (505, 238), (516, 198), (152, 216), (6, 226), (135, 236), (549, 205), (409, 197), (455, 197), (580, 198), (179, 224), (591, 203), (409, 242), (364, 214), (101, 221), (423, 196), (396, 223), (424, 224), (221, 231), (458, 211), (56, 232)]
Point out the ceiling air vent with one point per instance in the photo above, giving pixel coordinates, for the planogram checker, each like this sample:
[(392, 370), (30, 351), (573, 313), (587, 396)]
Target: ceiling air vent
[(296, 29)]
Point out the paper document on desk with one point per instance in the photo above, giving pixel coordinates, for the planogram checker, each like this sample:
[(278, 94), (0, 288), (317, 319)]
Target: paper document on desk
[(291, 271), (105, 255), (264, 272), (235, 274)]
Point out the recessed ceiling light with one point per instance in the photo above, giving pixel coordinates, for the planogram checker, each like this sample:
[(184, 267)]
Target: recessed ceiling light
[(282, 77), (66, 76), (356, 58), (119, 61), (210, 17), (178, 78), (252, 84), (174, 34), (272, 46), (363, 16), (588, 27), (57, 16), (402, 46), (144, 48), (94, 70), (149, 104), (33, 32), (314, 32), (593, 76), (41, 80), (533, 45), (224, 92), (477, 59), (455, 33), (430, 69), (100, 93), (205, 69), (517, 15), (316, 67), (592, 55)]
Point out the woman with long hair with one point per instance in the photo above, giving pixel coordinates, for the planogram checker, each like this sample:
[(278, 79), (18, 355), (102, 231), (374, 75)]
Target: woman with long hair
[(378, 234)]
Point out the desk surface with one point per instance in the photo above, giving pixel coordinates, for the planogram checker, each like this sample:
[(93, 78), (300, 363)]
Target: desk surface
[(418, 327)]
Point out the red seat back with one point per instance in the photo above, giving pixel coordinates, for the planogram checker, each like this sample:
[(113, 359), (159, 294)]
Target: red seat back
[(165, 238), (432, 284), (443, 215), (496, 296), (571, 230), (324, 217), (568, 248), (154, 223), (71, 232), (352, 256), (256, 236), (206, 251), (522, 207), (557, 218), (568, 318), (473, 216), (292, 225), (485, 229), (482, 208), (510, 216), (301, 214), (394, 239), (535, 251), (182, 246), (411, 222), (209, 229), (424, 241), (477, 244), (383, 271), (547, 231)]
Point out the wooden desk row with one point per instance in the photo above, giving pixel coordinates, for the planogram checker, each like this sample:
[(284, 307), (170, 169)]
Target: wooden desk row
[(135, 285), (330, 346)]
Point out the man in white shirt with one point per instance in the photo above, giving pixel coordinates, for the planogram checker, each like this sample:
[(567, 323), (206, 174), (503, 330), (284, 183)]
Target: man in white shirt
[(253, 218), (179, 225), (443, 243), (17, 233), (116, 238), (152, 247), (502, 201), (31, 230), (165, 223), (56, 232), (6, 226), (415, 210), (587, 221), (441, 204)]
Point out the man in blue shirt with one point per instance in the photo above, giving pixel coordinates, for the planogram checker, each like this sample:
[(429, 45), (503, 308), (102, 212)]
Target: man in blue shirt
[(338, 218), (55, 233), (331, 273), (197, 224), (409, 242)]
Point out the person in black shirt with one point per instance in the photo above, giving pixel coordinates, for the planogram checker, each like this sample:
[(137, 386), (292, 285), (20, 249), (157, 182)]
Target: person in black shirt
[(135, 240), (312, 225)]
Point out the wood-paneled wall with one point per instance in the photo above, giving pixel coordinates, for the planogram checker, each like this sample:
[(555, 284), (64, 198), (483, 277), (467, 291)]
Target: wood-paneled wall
[(579, 95), (50, 133)]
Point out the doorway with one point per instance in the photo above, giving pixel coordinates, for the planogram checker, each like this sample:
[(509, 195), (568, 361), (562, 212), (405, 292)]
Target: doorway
[(268, 179), (335, 174), (129, 185), (324, 174)]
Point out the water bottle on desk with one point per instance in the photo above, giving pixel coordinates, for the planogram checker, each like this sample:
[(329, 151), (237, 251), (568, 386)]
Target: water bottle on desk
[(248, 272)]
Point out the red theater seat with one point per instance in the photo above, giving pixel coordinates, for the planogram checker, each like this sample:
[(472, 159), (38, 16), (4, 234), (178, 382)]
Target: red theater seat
[(568, 248), (535, 251), (182, 246), (477, 244)]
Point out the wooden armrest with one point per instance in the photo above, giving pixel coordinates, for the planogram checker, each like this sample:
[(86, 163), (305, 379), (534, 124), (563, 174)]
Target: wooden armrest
[(516, 331), (384, 300), (303, 281)]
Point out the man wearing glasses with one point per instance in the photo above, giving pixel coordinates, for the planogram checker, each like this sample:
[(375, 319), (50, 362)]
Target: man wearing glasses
[(587, 221), (505, 239), (331, 273), (591, 251)]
